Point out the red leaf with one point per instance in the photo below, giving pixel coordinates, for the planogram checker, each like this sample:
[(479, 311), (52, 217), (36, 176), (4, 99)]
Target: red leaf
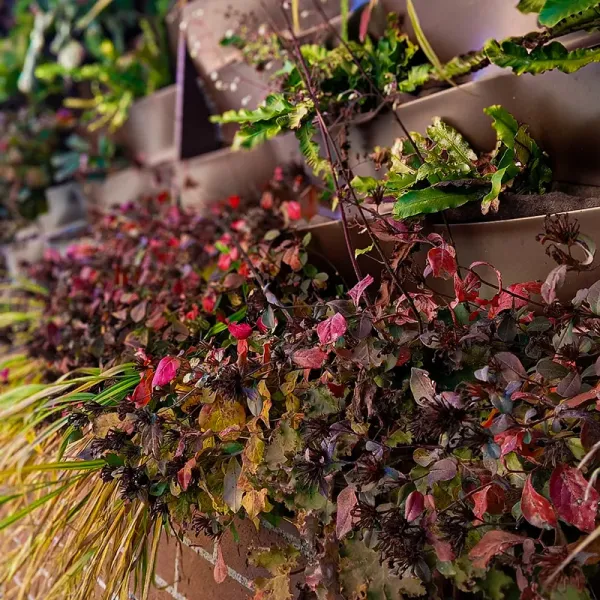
[(143, 391), (293, 210), (234, 202), (491, 544), (331, 329), (489, 500), (220, 572), (536, 509), (166, 371), (365, 19), (415, 505), (184, 475), (512, 440), (310, 359), (442, 262), (240, 331), (346, 501), (208, 304), (357, 292), (567, 491)]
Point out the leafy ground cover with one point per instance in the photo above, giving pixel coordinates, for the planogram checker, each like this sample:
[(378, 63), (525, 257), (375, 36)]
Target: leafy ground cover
[(437, 444)]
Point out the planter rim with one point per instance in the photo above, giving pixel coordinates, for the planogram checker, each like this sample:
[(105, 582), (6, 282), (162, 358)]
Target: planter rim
[(164, 91), (518, 220)]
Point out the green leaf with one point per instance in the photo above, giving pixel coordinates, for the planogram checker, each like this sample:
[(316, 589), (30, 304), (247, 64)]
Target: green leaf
[(359, 251), (275, 105), (493, 194), (453, 142), (436, 199), (531, 6), (417, 76), (541, 59), (504, 123), (462, 65), (255, 134), (556, 10), (365, 185), (310, 149)]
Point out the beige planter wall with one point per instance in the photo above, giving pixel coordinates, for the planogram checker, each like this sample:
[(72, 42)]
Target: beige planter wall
[(510, 246)]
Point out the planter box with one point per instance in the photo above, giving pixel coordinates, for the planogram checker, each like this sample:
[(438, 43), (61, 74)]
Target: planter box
[(510, 246), (119, 188), (151, 129), (217, 175), (560, 111), (67, 204), (28, 246)]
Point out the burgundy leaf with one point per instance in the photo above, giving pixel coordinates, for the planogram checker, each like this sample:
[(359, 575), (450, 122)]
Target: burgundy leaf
[(510, 366), (346, 501), (492, 544), (490, 499), (567, 491), (331, 329), (536, 509), (415, 505), (166, 371), (240, 331), (356, 293), (143, 392), (312, 358), (184, 475), (220, 572), (442, 470), (442, 262)]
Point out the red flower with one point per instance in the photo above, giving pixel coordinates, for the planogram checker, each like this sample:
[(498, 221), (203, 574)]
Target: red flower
[(208, 303), (234, 201)]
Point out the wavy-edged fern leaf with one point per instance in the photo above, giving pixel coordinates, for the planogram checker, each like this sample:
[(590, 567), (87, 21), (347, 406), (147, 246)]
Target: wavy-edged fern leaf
[(275, 105), (556, 10), (464, 64), (541, 59), (448, 139), (417, 76), (531, 6), (310, 149), (254, 134), (588, 20)]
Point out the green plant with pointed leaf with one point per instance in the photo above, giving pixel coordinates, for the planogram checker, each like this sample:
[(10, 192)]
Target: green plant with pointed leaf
[(451, 174)]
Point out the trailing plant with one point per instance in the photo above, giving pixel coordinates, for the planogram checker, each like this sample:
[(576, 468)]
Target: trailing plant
[(444, 452), (429, 174)]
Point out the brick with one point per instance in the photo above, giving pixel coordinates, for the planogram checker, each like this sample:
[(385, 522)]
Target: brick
[(197, 581), (165, 559), (158, 594), (236, 553)]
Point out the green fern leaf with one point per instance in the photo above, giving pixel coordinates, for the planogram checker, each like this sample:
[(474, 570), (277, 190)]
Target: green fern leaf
[(436, 199), (310, 149), (531, 6), (448, 139), (417, 76), (541, 59), (464, 64), (504, 123), (275, 105), (254, 134), (557, 10)]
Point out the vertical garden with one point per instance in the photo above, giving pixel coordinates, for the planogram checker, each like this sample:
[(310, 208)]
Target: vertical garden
[(299, 299)]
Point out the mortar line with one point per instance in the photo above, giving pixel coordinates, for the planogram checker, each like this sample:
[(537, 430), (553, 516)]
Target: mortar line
[(244, 581), (164, 586)]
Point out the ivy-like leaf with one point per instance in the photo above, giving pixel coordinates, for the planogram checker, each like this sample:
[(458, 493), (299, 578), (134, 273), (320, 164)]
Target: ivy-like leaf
[(436, 199), (540, 59), (557, 10)]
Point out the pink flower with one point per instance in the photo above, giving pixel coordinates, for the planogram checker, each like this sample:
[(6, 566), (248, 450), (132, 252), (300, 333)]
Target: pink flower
[(240, 331), (294, 211)]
